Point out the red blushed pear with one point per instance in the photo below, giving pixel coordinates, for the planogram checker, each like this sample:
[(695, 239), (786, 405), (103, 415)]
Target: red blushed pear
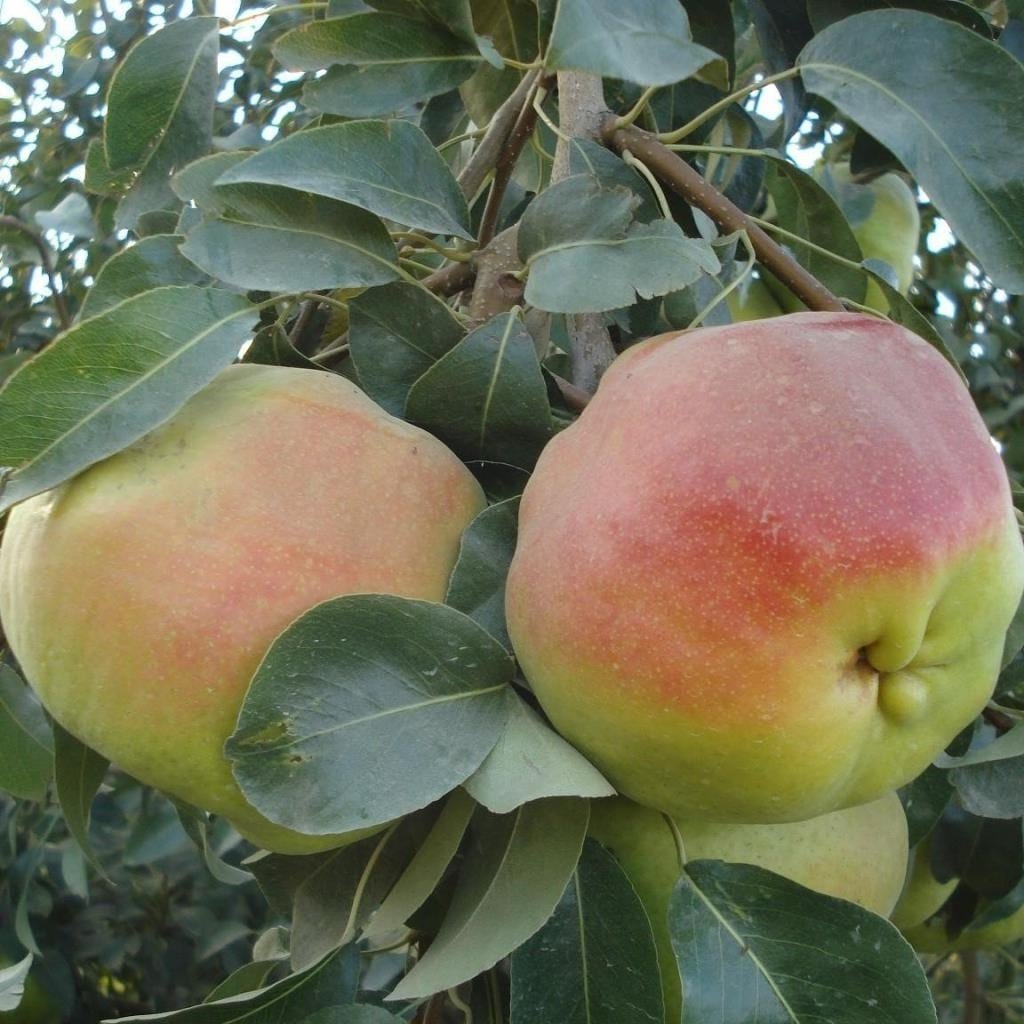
[(769, 571), (140, 596)]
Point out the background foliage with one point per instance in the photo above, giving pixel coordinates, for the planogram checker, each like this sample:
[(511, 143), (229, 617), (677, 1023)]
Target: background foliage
[(154, 909)]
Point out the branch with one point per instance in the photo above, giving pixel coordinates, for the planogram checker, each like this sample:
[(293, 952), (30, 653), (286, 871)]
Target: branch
[(486, 154), (497, 289), (306, 313), (686, 182), (521, 131), (581, 112), (974, 996), (39, 242), (451, 279)]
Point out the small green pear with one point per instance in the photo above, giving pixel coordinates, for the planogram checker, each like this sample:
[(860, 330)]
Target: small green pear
[(858, 854)]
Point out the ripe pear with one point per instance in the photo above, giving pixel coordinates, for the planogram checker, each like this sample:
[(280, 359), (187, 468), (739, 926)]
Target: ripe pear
[(140, 596), (768, 572), (858, 854)]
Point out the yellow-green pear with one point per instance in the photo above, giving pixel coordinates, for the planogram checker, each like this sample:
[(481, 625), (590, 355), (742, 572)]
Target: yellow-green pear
[(752, 300), (932, 937), (140, 596), (858, 854), (923, 894)]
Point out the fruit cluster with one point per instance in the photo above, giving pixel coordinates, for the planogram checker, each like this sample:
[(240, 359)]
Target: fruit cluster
[(761, 583)]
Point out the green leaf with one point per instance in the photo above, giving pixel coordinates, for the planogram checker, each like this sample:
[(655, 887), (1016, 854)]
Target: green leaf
[(162, 95), (578, 207), (531, 761), (325, 911), (246, 978), (149, 193), (1014, 636), (111, 379), (355, 1014), (486, 398), (712, 25), (99, 178), (396, 333), (71, 215), (645, 41), (196, 183), (366, 708), (824, 12), (26, 744), (10, 361), (387, 167), (275, 239), (477, 584), (782, 28), (271, 346), (805, 208), (924, 800), (512, 878), (589, 157), (511, 25), (156, 832), (160, 113), (599, 946), (327, 986), (388, 62), (150, 263), (426, 868), (12, 983), (990, 779), (196, 824), (753, 945), (78, 771), (891, 72), (585, 253)]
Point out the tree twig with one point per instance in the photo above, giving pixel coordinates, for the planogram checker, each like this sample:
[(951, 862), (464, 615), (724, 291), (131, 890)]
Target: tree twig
[(450, 280), (581, 113), (515, 141), (59, 305), (688, 183), (497, 289), (974, 995), (485, 156), (309, 308)]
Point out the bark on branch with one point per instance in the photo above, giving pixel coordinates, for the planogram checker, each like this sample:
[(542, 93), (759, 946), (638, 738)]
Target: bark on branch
[(581, 112), (688, 183), (486, 154)]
